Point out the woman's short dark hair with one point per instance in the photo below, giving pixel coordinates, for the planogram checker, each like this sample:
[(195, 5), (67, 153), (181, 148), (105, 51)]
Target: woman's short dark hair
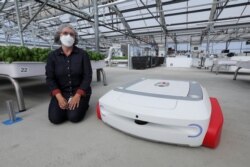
[(59, 31)]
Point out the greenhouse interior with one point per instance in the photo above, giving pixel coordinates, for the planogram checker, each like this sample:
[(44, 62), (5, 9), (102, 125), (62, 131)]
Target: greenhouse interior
[(124, 83)]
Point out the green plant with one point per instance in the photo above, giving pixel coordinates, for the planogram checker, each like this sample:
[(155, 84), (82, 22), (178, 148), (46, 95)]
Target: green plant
[(1, 52), (9, 54), (40, 54), (119, 58), (94, 55)]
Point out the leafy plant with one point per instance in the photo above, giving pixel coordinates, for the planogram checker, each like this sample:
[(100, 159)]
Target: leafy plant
[(119, 58), (9, 54), (40, 54), (94, 55), (2, 53)]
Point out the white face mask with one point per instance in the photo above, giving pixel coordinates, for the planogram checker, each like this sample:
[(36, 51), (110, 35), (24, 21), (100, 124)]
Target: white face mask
[(67, 40)]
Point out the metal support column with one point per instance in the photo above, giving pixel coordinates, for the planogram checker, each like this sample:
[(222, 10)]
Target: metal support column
[(175, 47), (212, 47), (165, 45), (19, 22), (19, 93), (96, 25), (32, 24), (166, 49), (241, 47), (6, 38), (98, 76), (51, 41), (190, 46), (129, 57), (208, 42), (227, 44)]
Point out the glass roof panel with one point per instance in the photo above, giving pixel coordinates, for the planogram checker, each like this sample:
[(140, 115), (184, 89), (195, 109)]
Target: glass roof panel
[(176, 27), (244, 20), (88, 36), (201, 3), (127, 5), (231, 12), (247, 11), (175, 19), (147, 15), (104, 29), (146, 30), (152, 10), (227, 22), (88, 10), (89, 30), (134, 13), (174, 8), (205, 6), (136, 24), (112, 34), (236, 2), (154, 29), (201, 16), (151, 22)]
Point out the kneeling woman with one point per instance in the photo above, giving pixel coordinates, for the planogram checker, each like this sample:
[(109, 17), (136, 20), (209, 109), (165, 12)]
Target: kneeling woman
[(68, 76)]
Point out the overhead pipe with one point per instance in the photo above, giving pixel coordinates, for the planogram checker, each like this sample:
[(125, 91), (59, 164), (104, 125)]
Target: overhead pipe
[(96, 26), (19, 22)]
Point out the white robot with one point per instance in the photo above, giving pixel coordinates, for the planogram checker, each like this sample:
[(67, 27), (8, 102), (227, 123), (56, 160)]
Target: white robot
[(177, 112)]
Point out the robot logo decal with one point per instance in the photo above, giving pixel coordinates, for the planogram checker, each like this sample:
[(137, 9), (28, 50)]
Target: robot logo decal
[(162, 84)]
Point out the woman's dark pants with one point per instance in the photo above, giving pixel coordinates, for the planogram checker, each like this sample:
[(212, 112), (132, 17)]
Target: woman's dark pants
[(58, 115)]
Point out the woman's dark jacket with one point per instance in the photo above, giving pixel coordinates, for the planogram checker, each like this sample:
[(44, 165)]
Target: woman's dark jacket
[(69, 74)]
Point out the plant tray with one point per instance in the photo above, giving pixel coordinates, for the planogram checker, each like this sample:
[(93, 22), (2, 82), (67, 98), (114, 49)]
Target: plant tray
[(22, 69), (97, 64)]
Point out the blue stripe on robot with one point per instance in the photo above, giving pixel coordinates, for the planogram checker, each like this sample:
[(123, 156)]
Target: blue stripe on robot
[(199, 127)]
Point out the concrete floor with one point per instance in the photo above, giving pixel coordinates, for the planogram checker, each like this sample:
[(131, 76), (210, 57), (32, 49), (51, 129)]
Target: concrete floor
[(36, 142)]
